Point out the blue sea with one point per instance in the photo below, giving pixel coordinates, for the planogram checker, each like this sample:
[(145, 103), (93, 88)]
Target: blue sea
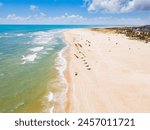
[(31, 68)]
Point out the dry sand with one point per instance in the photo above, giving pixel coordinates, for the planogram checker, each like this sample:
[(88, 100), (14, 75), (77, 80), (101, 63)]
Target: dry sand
[(107, 72)]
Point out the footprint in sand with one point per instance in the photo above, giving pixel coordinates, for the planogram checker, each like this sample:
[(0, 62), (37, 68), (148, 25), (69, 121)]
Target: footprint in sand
[(76, 45), (88, 41), (76, 56), (80, 45), (82, 54), (88, 68), (76, 73)]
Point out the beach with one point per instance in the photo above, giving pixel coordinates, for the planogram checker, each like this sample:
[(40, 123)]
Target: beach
[(106, 72)]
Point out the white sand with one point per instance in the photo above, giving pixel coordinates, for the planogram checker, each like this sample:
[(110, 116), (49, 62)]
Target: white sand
[(119, 79)]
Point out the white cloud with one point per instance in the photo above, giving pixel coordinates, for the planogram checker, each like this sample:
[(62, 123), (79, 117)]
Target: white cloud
[(67, 19), (42, 14), (72, 16), (115, 6), (42, 18), (15, 18), (33, 7)]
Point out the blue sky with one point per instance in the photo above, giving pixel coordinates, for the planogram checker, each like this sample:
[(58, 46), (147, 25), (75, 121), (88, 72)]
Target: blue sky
[(129, 12), (51, 7)]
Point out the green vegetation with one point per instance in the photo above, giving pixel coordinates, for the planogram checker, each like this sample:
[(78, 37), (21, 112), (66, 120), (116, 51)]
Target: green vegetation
[(139, 33)]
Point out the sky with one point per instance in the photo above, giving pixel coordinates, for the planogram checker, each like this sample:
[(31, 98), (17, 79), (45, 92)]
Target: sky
[(96, 12)]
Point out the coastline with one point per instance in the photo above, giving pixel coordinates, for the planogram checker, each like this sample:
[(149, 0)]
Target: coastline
[(61, 65), (68, 81), (66, 75), (106, 72)]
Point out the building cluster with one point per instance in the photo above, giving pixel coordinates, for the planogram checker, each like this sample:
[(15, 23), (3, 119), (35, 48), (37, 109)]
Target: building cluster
[(140, 33)]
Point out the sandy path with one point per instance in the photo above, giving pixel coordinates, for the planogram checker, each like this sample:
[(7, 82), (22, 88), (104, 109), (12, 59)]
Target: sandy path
[(107, 73)]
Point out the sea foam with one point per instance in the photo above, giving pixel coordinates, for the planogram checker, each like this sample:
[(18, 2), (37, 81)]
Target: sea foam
[(20, 34), (29, 58), (37, 49), (61, 64), (49, 49), (50, 96), (42, 38), (51, 109)]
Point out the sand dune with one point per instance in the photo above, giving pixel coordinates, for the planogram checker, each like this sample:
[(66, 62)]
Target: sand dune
[(107, 72)]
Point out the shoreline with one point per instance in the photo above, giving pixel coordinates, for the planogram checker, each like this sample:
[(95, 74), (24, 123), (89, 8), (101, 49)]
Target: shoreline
[(61, 66), (90, 89), (66, 75), (68, 89)]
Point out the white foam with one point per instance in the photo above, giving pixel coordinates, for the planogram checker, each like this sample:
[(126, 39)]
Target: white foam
[(42, 38), (20, 34), (29, 58), (50, 49), (61, 64), (9, 35), (3, 36), (50, 96), (45, 37), (37, 49), (51, 109)]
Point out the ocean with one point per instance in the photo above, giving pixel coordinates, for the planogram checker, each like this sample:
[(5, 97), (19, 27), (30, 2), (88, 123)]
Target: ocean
[(31, 68)]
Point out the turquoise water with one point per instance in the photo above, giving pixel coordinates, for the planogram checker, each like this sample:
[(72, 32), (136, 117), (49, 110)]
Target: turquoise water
[(31, 65)]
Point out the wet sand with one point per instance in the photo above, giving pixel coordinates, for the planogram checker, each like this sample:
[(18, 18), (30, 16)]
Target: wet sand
[(107, 72)]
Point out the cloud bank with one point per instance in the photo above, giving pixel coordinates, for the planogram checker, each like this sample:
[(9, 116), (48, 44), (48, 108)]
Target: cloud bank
[(118, 6), (42, 18)]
